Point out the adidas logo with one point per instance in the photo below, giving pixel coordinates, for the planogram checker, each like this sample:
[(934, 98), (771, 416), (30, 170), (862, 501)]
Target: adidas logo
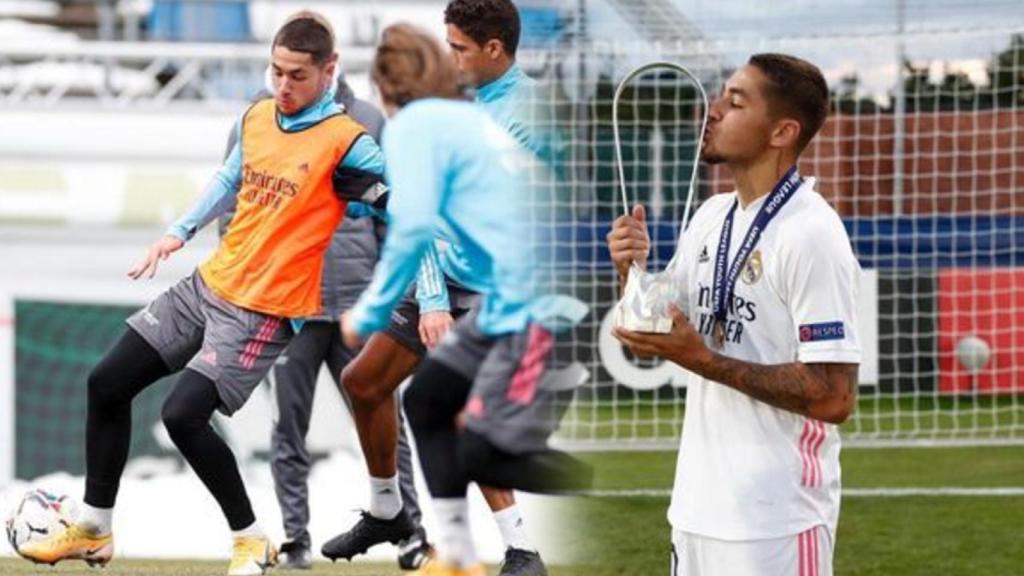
[(703, 255), (304, 167)]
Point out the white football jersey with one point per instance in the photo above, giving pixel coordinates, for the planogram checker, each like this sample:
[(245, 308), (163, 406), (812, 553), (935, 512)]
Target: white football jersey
[(747, 470)]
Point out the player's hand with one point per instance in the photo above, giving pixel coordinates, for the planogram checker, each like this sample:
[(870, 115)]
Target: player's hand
[(683, 345), (628, 241), (349, 336), (158, 251), (433, 327)]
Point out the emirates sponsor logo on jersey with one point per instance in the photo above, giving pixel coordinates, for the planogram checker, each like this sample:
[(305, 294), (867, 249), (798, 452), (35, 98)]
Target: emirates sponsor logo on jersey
[(266, 189), (741, 312)]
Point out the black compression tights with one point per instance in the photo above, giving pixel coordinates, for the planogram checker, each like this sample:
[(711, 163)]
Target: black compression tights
[(126, 370), (434, 398), (186, 414), (450, 458), (541, 472)]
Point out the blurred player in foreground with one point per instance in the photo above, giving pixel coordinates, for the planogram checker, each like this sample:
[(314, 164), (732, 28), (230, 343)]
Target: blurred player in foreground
[(483, 35), (768, 291), (453, 172), (298, 162)]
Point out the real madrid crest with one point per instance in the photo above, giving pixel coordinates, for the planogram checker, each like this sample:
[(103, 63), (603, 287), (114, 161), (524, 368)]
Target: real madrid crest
[(753, 269)]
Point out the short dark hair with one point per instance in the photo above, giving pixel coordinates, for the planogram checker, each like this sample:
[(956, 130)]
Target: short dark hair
[(483, 20), (411, 64), (307, 32), (795, 89)]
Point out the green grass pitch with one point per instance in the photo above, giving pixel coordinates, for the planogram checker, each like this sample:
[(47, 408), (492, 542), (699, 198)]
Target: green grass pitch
[(878, 536), (123, 567)]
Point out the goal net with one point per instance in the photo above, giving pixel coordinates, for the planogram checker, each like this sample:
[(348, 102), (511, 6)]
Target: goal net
[(924, 162)]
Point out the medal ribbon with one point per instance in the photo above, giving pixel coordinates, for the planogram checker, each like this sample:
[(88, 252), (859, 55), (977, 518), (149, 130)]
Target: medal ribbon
[(725, 275)]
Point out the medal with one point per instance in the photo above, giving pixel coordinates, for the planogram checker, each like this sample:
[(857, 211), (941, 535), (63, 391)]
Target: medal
[(726, 275), (718, 334)]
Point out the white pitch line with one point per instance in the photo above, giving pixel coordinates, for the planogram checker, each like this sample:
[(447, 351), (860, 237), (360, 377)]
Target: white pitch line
[(937, 491), (849, 492)]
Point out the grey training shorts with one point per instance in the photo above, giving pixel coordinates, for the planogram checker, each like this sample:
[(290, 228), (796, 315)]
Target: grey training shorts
[(190, 326), (516, 399)]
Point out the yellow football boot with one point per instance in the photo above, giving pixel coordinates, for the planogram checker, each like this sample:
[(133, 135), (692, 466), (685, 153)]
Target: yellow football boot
[(71, 543), (252, 556)]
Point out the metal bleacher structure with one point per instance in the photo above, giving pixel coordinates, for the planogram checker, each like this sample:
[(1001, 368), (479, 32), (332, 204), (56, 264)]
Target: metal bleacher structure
[(109, 54), (94, 55)]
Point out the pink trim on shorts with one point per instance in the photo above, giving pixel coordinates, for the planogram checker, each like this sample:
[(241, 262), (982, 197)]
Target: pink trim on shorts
[(807, 550), (255, 346), (523, 386), (475, 407)]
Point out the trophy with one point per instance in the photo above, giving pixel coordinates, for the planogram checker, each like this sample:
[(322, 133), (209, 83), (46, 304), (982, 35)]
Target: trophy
[(645, 300), (646, 296)]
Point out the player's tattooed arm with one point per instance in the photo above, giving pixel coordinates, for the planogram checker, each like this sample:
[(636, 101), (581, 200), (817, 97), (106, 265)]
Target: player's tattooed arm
[(824, 391)]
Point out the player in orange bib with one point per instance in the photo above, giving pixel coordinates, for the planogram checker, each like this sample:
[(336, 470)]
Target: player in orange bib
[(299, 161)]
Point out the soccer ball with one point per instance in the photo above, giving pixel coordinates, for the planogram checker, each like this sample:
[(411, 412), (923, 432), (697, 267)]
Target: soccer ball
[(38, 515), (973, 353)]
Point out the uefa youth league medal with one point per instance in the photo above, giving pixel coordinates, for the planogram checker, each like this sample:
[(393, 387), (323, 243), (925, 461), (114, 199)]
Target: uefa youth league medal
[(725, 275), (718, 334)]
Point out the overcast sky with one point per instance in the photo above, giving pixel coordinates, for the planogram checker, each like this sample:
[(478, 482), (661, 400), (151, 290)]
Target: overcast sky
[(843, 36)]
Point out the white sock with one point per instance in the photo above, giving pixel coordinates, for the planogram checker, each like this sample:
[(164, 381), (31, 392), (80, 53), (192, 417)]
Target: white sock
[(510, 523), (249, 531), (385, 497), (454, 540), (96, 520)]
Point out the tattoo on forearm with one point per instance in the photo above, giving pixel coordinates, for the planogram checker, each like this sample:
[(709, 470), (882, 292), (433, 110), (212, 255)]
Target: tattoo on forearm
[(796, 387)]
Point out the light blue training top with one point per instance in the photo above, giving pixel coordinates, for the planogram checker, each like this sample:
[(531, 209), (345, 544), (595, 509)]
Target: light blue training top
[(452, 172), (507, 99), (503, 99)]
